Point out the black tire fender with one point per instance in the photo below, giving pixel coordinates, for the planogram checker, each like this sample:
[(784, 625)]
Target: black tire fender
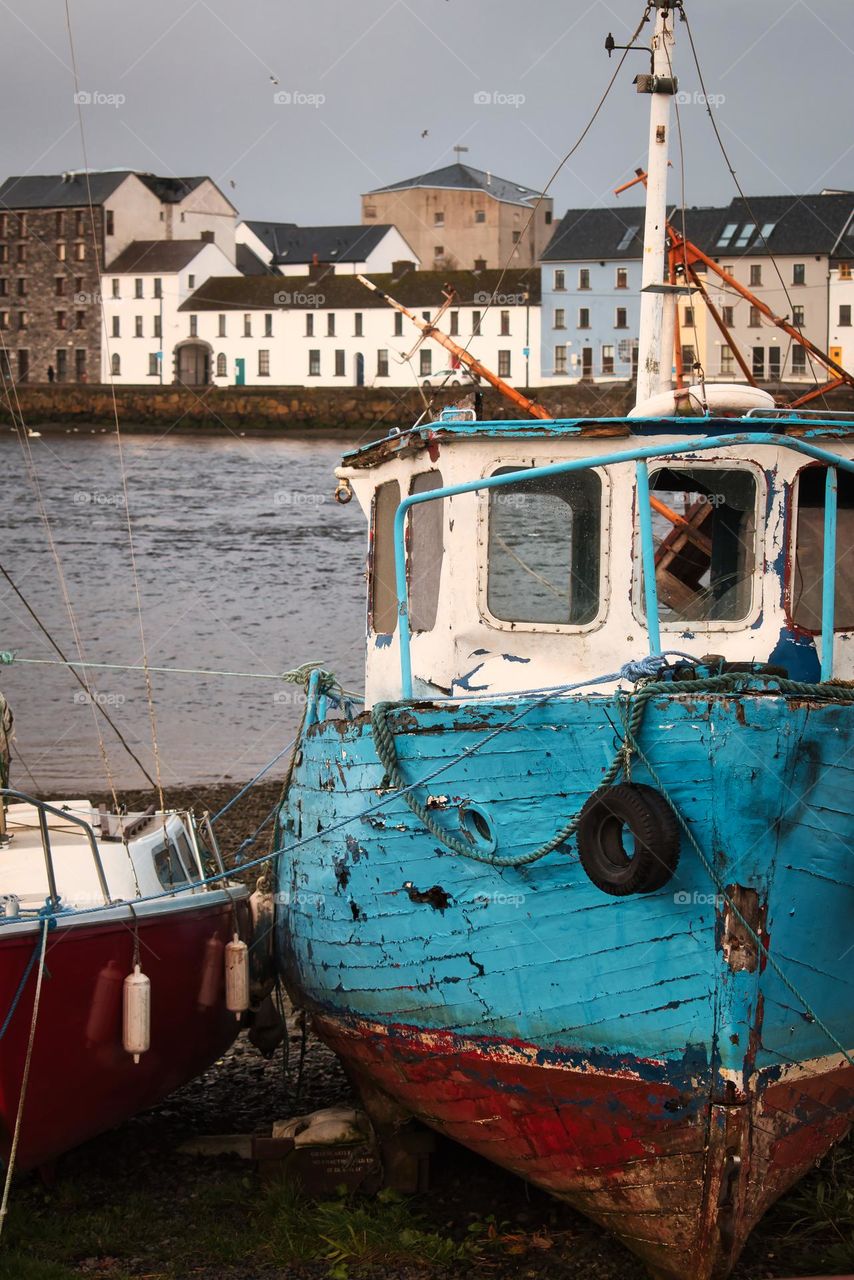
[(642, 813)]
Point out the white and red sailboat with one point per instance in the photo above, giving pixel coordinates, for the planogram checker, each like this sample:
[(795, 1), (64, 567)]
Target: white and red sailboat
[(90, 899)]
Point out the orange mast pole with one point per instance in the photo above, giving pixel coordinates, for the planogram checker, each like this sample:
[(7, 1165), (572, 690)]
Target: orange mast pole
[(465, 357)]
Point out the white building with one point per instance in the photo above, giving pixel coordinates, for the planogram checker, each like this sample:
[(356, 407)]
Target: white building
[(840, 311), (146, 339), (327, 329), (287, 249)]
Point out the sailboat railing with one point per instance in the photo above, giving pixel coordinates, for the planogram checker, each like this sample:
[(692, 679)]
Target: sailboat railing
[(640, 456), (43, 809)]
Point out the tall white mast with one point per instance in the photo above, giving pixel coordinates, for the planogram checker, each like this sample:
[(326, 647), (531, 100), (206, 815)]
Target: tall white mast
[(657, 324)]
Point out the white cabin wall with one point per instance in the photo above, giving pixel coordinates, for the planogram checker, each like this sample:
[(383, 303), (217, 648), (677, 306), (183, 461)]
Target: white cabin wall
[(447, 652)]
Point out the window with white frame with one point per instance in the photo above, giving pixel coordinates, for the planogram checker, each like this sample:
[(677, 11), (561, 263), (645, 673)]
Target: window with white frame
[(543, 549)]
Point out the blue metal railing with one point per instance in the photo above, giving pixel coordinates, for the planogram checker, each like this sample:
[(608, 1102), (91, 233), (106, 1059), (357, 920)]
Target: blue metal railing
[(639, 456)]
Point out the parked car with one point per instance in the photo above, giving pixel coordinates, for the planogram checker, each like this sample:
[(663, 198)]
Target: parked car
[(451, 378)]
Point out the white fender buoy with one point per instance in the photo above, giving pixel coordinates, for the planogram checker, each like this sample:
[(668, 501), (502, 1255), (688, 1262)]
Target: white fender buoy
[(210, 986), (136, 1013), (236, 976)]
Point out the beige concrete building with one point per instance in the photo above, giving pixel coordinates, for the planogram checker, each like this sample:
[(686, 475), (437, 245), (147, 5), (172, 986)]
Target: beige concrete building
[(460, 218)]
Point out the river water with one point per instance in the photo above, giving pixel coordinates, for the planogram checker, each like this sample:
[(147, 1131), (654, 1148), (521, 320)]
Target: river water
[(245, 564)]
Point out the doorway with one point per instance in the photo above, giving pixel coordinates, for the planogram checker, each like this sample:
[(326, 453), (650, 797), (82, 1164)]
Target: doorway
[(587, 362), (194, 364), (359, 369)]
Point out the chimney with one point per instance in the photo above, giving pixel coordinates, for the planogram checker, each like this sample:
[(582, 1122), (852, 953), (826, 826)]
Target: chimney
[(317, 269), (207, 237), (401, 267), (480, 264)]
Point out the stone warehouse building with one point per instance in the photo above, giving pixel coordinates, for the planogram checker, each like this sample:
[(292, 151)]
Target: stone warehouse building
[(57, 231), (460, 217)]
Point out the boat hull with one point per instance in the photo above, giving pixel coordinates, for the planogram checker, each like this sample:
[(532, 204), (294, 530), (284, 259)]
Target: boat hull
[(639, 1057), (81, 1081)]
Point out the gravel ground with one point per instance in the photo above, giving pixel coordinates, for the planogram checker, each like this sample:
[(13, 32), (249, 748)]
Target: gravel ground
[(244, 1093)]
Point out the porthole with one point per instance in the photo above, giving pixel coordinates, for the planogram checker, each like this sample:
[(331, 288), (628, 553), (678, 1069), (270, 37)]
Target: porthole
[(478, 826)]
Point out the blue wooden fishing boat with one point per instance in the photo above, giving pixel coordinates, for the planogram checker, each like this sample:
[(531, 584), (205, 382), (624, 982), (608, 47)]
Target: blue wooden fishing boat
[(575, 888)]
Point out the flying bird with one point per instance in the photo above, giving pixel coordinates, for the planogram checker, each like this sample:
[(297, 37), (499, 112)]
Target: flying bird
[(424, 133)]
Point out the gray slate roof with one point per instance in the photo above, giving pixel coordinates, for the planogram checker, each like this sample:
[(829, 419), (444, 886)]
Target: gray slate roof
[(249, 264), (809, 224), (464, 177), (590, 234), (163, 256), (290, 243), (326, 290), (59, 191), (802, 224)]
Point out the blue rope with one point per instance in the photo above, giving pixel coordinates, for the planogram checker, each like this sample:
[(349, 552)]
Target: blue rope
[(233, 801), (250, 840), (22, 984)]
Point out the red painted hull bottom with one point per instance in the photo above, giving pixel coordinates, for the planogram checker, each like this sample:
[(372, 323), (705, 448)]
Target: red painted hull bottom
[(681, 1182), (82, 1082)]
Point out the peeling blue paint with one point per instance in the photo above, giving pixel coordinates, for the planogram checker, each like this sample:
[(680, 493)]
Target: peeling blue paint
[(796, 651)]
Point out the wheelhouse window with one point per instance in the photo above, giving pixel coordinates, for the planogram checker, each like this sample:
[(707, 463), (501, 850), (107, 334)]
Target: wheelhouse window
[(808, 568), (704, 533), (383, 591), (544, 544), (426, 549), (173, 862)]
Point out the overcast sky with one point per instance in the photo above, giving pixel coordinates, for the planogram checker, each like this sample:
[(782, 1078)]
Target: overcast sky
[(187, 87)]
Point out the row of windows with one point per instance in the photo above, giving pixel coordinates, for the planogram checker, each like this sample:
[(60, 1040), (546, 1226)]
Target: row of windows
[(138, 327), (621, 318), (21, 319), (311, 325), (139, 286), (622, 275), (22, 286), (22, 254), (608, 355), (56, 372), (64, 220), (688, 317), (621, 279), (764, 362), (546, 537)]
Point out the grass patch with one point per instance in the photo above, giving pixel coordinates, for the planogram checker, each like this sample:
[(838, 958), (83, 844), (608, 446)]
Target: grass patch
[(119, 1226), (17, 1266), (351, 1231)]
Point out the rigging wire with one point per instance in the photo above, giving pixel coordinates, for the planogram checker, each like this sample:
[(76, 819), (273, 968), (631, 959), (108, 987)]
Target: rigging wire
[(149, 690), (17, 415), (738, 186), (72, 668), (544, 193)]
